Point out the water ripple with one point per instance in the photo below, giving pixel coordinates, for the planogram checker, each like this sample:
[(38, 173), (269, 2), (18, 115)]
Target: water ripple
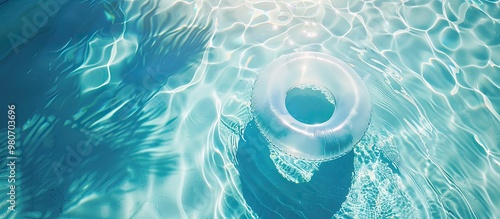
[(165, 87)]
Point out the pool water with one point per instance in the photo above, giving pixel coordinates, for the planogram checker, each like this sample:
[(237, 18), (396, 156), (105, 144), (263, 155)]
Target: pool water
[(310, 105), (143, 109)]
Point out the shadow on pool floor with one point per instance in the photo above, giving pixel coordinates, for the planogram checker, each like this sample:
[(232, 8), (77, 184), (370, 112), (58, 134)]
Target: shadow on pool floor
[(272, 196)]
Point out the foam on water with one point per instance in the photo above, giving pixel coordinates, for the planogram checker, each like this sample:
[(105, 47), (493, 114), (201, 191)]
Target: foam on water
[(168, 145)]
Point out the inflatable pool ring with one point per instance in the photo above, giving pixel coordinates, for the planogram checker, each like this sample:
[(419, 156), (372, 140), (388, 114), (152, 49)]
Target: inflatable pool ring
[(322, 141)]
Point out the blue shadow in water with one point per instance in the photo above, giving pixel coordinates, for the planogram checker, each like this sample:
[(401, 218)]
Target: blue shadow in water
[(180, 48), (54, 168), (272, 196), (51, 171), (28, 71)]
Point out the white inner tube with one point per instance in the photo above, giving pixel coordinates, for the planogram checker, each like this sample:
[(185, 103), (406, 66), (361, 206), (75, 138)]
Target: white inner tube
[(319, 142)]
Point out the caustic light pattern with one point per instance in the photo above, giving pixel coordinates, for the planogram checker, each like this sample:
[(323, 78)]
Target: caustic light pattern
[(152, 109)]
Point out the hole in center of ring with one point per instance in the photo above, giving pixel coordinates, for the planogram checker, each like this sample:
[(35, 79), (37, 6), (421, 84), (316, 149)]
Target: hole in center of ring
[(310, 104)]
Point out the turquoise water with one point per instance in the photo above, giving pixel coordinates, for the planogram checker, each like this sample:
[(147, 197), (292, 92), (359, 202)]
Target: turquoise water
[(142, 109)]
